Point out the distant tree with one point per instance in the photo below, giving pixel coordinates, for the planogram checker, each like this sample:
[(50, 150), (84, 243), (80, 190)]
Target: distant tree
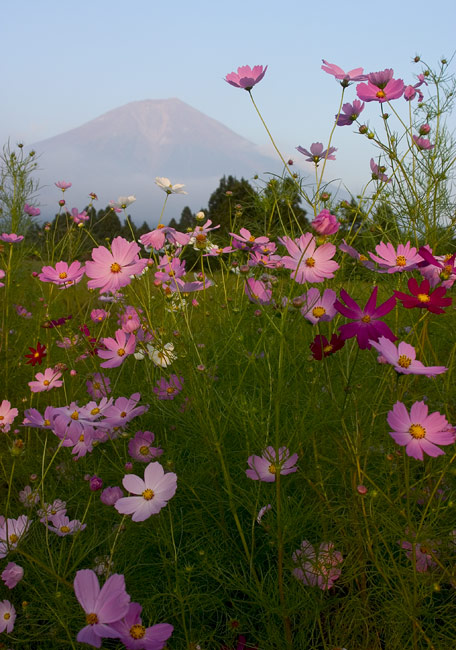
[(143, 229), (187, 220), (129, 230), (281, 205), (232, 205), (106, 224), (173, 224)]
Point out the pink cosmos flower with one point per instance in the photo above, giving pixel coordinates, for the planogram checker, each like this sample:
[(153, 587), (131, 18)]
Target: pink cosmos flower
[(7, 415), (344, 77), (140, 447), (446, 264), (403, 358), (367, 326), (117, 349), (61, 525), (31, 210), (62, 275), (63, 185), (124, 409), (420, 432), (11, 238), (405, 258), (111, 495), (258, 292), (246, 77), (317, 308), (46, 381), (308, 262), (98, 386), (317, 153), (7, 616), (29, 497), (11, 532), (317, 569), (102, 606), (325, 223), (410, 92), (266, 467), (79, 217), (135, 636), (362, 259), (350, 113), (378, 172), (422, 143), (12, 574), (51, 509), (153, 492), (169, 389), (2, 275), (112, 270), (156, 238), (130, 320), (424, 554), (99, 315), (380, 87)]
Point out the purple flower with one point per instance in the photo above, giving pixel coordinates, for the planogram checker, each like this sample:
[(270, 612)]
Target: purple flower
[(136, 636), (96, 483), (102, 607), (317, 308), (110, 495), (31, 210), (403, 358), (317, 569), (140, 447), (61, 525), (367, 326), (266, 467), (11, 238), (169, 389), (378, 173), (317, 153), (350, 113), (246, 77), (12, 574)]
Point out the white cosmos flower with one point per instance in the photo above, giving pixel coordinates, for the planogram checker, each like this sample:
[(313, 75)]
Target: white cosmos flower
[(166, 185), (162, 356), (124, 201)]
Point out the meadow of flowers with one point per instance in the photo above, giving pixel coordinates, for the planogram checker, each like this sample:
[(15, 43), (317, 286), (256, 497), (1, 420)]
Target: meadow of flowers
[(254, 449)]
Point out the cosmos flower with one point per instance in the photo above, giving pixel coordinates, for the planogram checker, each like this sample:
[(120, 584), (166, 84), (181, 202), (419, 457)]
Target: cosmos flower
[(11, 532), (246, 77), (63, 185), (46, 381), (317, 153), (101, 606), (380, 87), (156, 238), (404, 258), (98, 386), (317, 568), (308, 262), (403, 358), (422, 143), (153, 493), (123, 202), (366, 326), (7, 415), (266, 467), (378, 172), (112, 270), (61, 525), (117, 349), (423, 298), (317, 308), (11, 238), (79, 217), (62, 275), (257, 292), (166, 185), (140, 447), (169, 389), (111, 495), (419, 431), (321, 347), (325, 223), (350, 113), (135, 636), (344, 77), (12, 574), (7, 616), (31, 210)]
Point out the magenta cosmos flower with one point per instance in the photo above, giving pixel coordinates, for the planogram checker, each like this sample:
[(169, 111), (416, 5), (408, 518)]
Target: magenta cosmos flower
[(12, 574), (403, 358), (308, 262), (367, 326), (7, 616), (117, 349), (344, 77), (153, 492), (31, 210), (46, 381), (321, 347), (169, 389), (62, 275), (136, 636), (419, 432), (317, 569), (404, 258), (11, 238), (102, 606), (317, 153), (266, 467), (111, 270), (246, 77), (423, 298), (140, 447), (350, 113), (380, 87)]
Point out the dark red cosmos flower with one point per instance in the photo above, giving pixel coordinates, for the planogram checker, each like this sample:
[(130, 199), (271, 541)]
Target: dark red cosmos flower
[(321, 347), (422, 298), (50, 324), (37, 354)]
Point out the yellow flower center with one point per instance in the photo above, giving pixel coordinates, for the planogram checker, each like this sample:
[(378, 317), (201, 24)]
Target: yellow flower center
[(310, 261), (380, 94), (160, 226), (6, 616), (144, 450), (75, 415), (327, 348), (366, 318), (423, 297), (63, 275), (362, 258), (448, 256), (64, 529), (272, 469), (417, 431), (202, 237), (137, 631), (400, 260), (404, 361), (95, 411), (318, 312), (46, 382), (2, 417), (46, 423), (123, 414), (251, 238), (81, 438), (91, 619), (115, 268), (13, 538), (170, 390), (120, 352), (96, 385), (148, 494)]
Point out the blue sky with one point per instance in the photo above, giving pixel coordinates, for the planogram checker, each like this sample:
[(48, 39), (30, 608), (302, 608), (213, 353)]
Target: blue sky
[(65, 63)]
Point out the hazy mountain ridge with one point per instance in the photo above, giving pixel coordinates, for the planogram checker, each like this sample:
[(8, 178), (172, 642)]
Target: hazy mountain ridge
[(122, 151)]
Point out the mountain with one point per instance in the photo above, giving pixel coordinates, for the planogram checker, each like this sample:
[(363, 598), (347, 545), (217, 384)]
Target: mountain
[(122, 151)]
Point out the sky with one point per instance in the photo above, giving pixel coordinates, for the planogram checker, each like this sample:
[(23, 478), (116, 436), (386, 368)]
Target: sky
[(64, 64)]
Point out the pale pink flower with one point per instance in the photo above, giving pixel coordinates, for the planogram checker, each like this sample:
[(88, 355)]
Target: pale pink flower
[(317, 153), (31, 210), (317, 308), (166, 185), (61, 525), (29, 497), (308, 262), (140, 447), (246, 77), (11, 532), (266, 467), (98, 386), (46, 381), (99, 315), (153, 492), (7, 616), (344, 77), (62, 275), (79, 217), (317, 569), (12, 574), (112, 270), (7, 415), (424, 554), (378, 172), (404, 258), (111, 495), (423, 143), (403, 358), (63, 185), (258, 292), (156, 238), (117, 349)]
